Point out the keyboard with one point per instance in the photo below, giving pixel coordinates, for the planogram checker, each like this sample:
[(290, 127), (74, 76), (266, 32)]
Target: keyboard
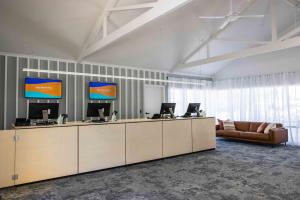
[(45, 123), (98, 121), (186, 115)]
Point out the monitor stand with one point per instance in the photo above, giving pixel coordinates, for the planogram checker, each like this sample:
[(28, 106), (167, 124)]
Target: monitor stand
[(198, 114), (45, 121), (172, 113), (101, 113), (45, 115), (101, 116)]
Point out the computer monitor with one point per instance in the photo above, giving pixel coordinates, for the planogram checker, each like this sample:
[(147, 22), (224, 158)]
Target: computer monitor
[(36, 110), (165, 108), (193, 108), (93, 109)]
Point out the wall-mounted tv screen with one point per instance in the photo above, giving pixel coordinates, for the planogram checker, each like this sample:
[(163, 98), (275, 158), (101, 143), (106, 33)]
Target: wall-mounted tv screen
[(39, 88), (102, 91)]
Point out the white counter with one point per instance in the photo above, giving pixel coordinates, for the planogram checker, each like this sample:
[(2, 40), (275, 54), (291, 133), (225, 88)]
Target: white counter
[(35, 153), (88, 123)]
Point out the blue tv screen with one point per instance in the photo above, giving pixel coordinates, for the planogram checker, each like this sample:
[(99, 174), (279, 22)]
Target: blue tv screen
[(102, 91), (39, 88)]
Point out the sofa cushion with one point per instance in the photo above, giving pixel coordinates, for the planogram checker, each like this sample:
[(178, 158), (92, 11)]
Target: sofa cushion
[(254, 126), (227, 133), (269, 127), (242, 126), (254, 136), (262, 127), (221, 125), (229, 125)]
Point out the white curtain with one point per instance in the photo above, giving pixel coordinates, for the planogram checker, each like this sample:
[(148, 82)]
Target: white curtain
[(270, 98), (183, 94)]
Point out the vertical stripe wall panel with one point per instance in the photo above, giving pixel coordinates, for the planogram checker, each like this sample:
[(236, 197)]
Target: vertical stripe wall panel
[(11, 91), (22, 106), (34, 65), (84, 94), (118, 101), (129, 101), (62, 105), (2, 85), (134, 95), (123, 95), (109, 72), (17, 86), (71, 93), (141, 95), (79, 93)]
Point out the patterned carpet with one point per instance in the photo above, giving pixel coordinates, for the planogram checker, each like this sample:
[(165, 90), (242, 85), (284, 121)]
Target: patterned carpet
[(234, 170)]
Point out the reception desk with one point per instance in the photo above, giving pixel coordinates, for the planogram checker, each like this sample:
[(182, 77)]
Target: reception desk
[(36, 153)]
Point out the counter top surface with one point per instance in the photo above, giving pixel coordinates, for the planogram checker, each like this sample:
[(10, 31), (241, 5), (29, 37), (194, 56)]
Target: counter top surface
[(89, 123)]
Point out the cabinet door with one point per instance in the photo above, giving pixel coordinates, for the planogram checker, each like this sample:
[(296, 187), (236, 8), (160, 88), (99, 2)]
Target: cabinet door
[(177, 137), (143, 141), (204, 134), (101, 146), (45, 153), (7, 158)]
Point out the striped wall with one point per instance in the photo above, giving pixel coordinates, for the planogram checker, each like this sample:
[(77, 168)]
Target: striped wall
[(129, 103)]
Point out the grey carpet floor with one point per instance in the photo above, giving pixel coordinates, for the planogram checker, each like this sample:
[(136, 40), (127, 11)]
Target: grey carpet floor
[(234, 170)]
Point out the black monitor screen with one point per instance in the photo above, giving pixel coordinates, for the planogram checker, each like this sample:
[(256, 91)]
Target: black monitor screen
[(165, 108), (36, 110), (193, 108), (93, 109)]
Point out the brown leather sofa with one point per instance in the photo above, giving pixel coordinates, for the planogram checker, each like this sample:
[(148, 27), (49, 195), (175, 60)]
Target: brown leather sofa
[(247, 131)]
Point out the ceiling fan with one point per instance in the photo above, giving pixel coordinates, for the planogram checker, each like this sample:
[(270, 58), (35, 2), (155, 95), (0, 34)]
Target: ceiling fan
[(232, 16)]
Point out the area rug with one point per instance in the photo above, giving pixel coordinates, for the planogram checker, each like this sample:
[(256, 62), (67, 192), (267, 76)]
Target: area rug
[(235, 170)]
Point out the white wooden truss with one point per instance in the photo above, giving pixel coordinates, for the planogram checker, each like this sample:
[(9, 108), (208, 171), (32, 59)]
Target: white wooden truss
[(156, 9), (286, 40)]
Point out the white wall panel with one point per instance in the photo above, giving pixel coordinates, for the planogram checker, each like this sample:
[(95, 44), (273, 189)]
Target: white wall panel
[(75, 89)]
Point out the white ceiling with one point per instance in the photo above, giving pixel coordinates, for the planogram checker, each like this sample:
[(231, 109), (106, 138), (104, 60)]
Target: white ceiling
[(57, 28)]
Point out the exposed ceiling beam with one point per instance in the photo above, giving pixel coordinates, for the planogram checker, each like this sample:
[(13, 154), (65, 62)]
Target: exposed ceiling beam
[(161, 8), (207, 51), (274, 46), (99, 23), (273, 10), (291, 33), (285, 34), (293, 3), (214, 35), (111, 22), (133, 7), (202, 45), (241, 41)]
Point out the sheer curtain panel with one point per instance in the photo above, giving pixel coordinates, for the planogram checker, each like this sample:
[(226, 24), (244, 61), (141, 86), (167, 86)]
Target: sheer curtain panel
[(270, 98)]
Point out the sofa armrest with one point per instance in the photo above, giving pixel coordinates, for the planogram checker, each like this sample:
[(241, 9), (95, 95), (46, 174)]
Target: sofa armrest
[(279, 135)]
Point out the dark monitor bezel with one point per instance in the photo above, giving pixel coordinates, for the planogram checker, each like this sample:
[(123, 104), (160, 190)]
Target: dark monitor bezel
[(164, 107), (93, 111), (43, 106), (191, 106)]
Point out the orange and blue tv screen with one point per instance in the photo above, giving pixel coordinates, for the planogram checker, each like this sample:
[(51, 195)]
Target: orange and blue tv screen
[(39, 88), (103, 91)]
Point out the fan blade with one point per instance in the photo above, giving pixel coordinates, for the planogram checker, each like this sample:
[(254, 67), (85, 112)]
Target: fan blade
[(212, 17), (250, 16), (226, 23)]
